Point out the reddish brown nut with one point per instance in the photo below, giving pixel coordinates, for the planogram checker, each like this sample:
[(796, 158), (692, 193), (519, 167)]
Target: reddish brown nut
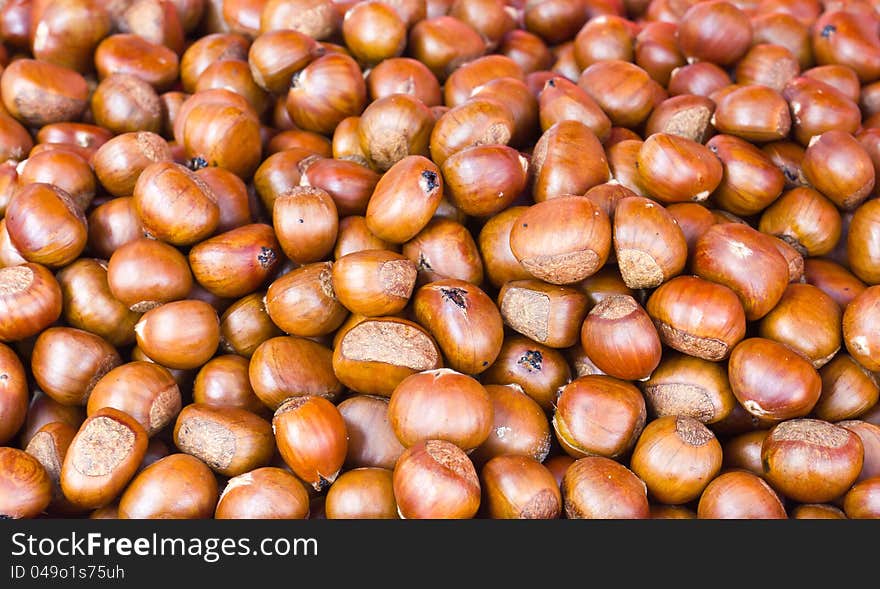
[(685, 115), (554, 168), (835, 280), (486, 179), (548, 314), (700, 37), (702, 78), (745, 261), (371, 440), (676, 457), (45, 225), (520, 487), (404, 75), (405, 199), (805, 309), (27, 487), (739, 494), (624, 90), (839, 167), (103, 457), (318, 19), (697, 172), (649, 246), (750, 181), (621, 339), (811, 461), (286, 365), (13, 394), (373, 32), (180, 334), (175, 205), (178, 486), (848, 390), (263, 493), (688, 386), (244, 325), (519, 426), (443, 43), (712, 332), (67, 363), (447, 471), (805, 219), (312, 439), (325, 92), (862, 501), (445, 249), (237, 262), (130, 53), (869, 434), (209, 49), (771, 381), (362, 493), (125, 103), (463, 320), (769, 65), (394, 127), (229, 440), (562, 240), (595, 487), (561, 99), (539, 370), (39, 93), (841, 36), (860, 340), (489, 122), (753, 112), (441, 405), (145, 273), (373, 355), (303, 302), (30, 301), (598, 416), (373, 282), (66, 170), (817, 107)]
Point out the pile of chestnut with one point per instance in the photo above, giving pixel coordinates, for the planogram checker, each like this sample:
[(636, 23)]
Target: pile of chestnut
[(440, 259)]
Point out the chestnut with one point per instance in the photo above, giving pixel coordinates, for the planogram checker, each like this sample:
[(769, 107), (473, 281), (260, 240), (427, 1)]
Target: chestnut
[(493, 241), (840, 36), (244, 325), (489, 122), (435, 479), (805, 219), (14, 397), (237, 262), (178, 486), (404, 199), (306, 223), (598, 415), (224, 382), (818, 108), (690, 387), (743, 451), (621, 339), (354, 236), (686, 115), (739, 494), (862, 245), (49, 446), (124, 103), (111, 225), (622, 89), (373, 282), (817, 511), (837, 165), (862, 501), (174, 204), (312, 439), (211, 48), (42, 410), (463, 320), (133, 54), (519, 427), (30, 301), (709, 334), (204, 127), (528, 50), (750, 180), (702, 78), (145, 273), (548, 314), (373, 32), (869, 434), (45, 225), (595, 487), (362, 493), (769, 65), (538, 369), (144, 390), (39, 93), (67, 363), (697, 171), (561, 99), (556, 172), (747, 262), (275, 56), (284, 365), (848, 390), (519, 487), (771, 381), (318, 19), (485, 179), (180, 334), (404, 75), (263, 493), (326, 91), (231, 441), (804, 309), (833, 279), (649, 246), (562, 240), (699, 33), (234, 75), (676, 457), (303, 302), (811, 461), (371, 439), (441, 405), (103, 457), (858, 337), (753, 112), (444, 249), (27, 488), (66, 170)]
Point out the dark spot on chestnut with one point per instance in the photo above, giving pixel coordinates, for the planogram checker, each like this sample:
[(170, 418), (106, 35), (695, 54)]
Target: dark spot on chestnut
[(423, 263), (533, 360), (266, 257), (828, 30), (454, 295), (197, 163), (430, 180)]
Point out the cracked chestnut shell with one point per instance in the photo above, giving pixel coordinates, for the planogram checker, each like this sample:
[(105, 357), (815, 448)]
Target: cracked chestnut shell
[(562, 240), (463, 320), (771, 381)]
